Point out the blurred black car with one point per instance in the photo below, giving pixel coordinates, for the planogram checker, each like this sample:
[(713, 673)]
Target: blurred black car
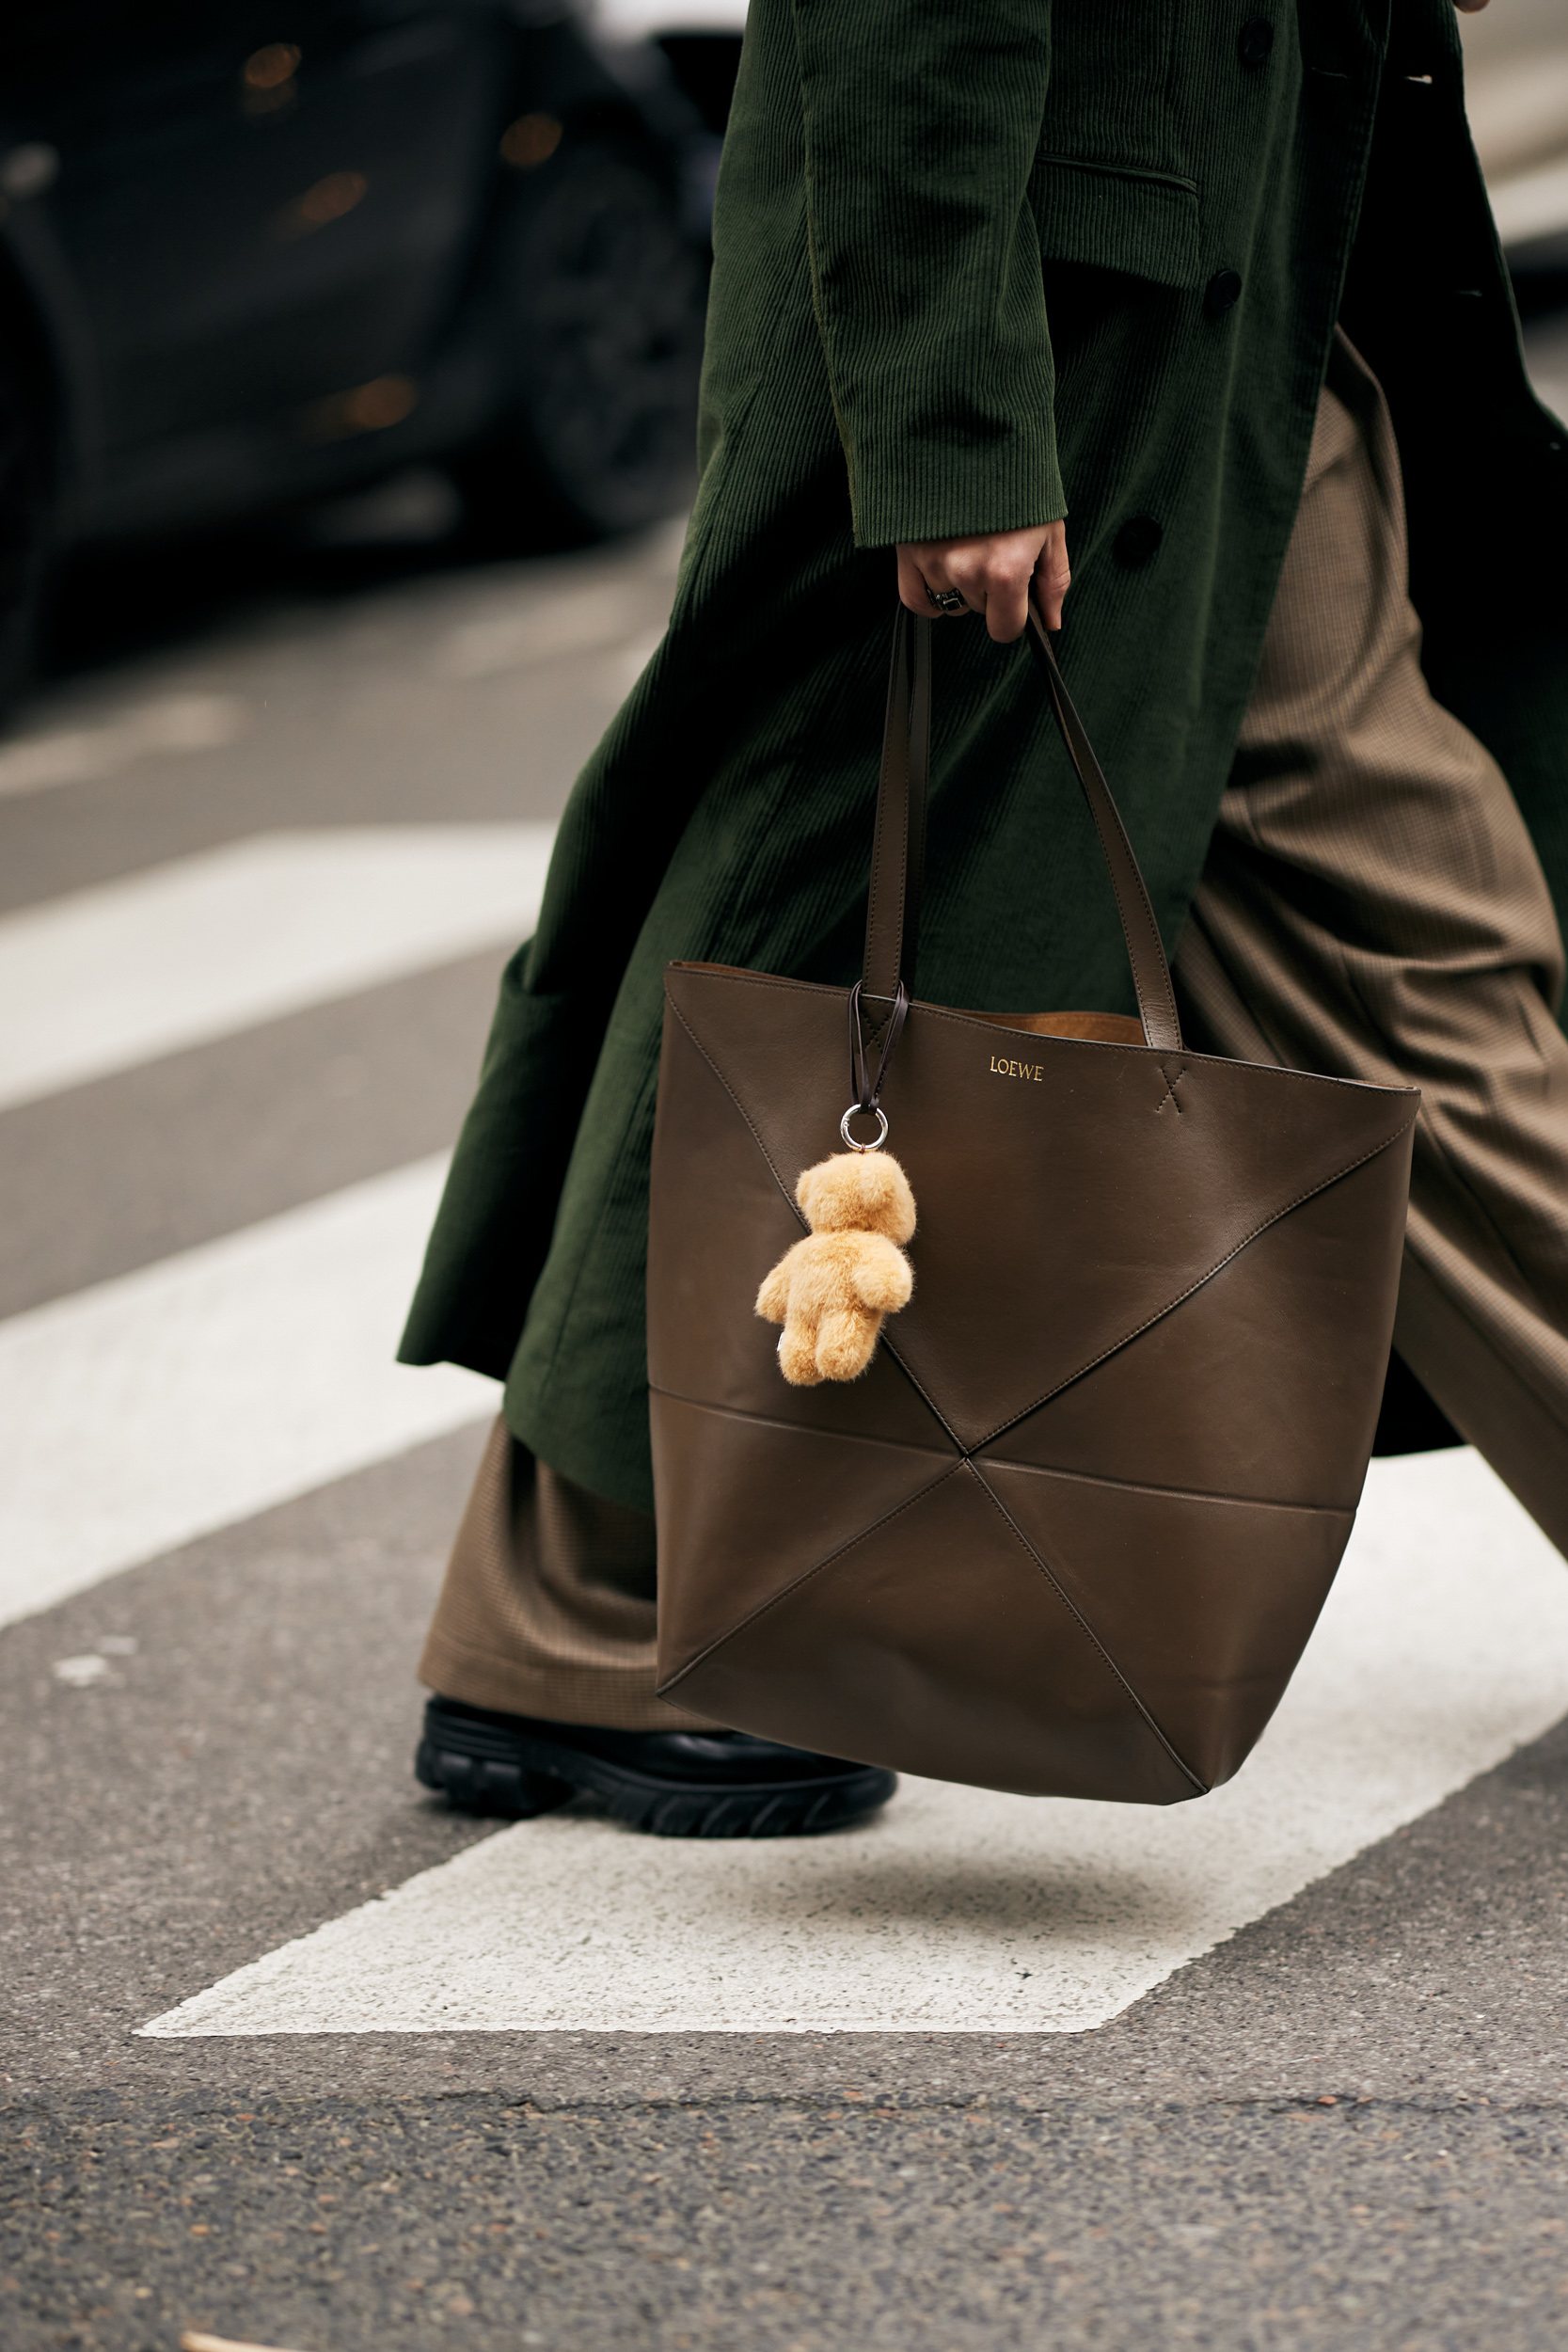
[(253, 251)]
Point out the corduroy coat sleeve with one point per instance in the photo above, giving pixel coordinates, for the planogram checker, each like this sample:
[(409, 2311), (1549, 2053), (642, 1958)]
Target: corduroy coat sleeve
[(922, 124)]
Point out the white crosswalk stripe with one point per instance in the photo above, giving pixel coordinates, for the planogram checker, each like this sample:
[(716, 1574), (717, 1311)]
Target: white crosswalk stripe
[(199, 1391), (960, 1910), (194, 950)]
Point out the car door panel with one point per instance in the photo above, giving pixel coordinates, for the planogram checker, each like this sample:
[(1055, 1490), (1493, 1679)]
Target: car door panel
[(236, 260)]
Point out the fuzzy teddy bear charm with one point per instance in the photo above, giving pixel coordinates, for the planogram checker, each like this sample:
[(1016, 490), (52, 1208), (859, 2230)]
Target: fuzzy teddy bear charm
[(832, 1291)]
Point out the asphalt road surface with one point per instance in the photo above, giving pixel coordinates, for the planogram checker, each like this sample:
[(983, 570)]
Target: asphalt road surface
[(291, 2054)]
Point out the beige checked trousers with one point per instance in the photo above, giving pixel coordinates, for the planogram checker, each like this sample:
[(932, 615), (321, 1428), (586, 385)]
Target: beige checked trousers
[(1371, 907)]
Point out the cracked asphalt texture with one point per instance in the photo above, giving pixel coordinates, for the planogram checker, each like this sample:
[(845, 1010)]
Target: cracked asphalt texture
[(928, 2222)]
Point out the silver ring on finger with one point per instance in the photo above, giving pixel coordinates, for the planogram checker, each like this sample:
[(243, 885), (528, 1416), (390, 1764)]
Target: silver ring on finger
[(946, 600)]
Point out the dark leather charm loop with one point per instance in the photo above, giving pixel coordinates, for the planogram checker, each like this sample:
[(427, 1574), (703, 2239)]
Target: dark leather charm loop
[(866, 1093)]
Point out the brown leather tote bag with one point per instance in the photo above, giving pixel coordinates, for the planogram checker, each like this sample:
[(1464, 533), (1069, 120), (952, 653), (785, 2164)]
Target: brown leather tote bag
[(1069, 1532)]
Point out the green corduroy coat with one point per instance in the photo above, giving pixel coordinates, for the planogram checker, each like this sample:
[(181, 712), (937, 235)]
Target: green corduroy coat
[(979, 264)]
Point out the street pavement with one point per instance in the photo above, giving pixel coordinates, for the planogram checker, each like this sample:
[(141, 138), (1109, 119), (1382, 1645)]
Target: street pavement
[(291, 2054)]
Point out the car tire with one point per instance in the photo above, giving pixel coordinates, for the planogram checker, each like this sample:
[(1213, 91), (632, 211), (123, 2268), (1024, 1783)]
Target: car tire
[(24, 519), (599, 304)]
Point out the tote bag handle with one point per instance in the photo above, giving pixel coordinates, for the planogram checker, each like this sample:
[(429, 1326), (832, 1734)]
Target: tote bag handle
[(893, 909)]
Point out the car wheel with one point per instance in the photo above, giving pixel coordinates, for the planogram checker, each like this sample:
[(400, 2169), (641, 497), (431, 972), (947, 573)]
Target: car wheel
[(600, 306), (24, 521)]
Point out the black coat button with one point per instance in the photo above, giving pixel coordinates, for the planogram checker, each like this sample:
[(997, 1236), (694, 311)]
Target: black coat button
[(1222, 292), (1137, 540), (1255, 40)]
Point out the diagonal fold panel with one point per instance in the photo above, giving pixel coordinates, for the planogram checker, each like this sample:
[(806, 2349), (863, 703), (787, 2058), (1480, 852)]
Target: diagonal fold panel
[(720, 1229), (749, 1506), (936, 1642), (1203, 1604), (1274, 1316), (1069, 1193)]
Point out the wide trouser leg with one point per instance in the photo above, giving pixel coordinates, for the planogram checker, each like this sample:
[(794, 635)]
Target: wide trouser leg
[(548, 1603), (1373, 908)]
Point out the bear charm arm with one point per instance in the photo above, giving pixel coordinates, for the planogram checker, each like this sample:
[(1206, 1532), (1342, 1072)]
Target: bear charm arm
[(773, 1297), (880, 1275)]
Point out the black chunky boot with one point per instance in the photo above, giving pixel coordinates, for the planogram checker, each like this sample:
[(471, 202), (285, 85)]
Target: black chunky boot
[(676, 1784)]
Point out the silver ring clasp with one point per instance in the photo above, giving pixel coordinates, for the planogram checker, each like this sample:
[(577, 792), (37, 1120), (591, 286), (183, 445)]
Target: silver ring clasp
[(855, 1111)]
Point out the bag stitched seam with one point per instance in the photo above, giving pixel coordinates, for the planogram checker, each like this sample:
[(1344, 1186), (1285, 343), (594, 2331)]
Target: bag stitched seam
[(806, 1429), (1085, 1629), (1190, 1291), (805, 1575), (1175, 1494), (1031, 1470)]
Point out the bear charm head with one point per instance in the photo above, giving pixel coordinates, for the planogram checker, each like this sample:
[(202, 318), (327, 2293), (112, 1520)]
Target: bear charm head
[(857, 1191)]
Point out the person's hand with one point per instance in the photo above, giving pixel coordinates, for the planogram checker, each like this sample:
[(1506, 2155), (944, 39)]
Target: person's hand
[(991, 574)]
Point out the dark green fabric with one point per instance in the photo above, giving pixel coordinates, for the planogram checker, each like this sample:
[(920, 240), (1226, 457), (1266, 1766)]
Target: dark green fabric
[(961, 260)]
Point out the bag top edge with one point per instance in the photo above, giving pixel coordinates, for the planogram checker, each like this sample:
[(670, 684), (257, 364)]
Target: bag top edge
[(988, 1024)]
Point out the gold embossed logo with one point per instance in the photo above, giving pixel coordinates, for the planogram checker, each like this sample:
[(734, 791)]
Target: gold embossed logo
[(1002, 1068)]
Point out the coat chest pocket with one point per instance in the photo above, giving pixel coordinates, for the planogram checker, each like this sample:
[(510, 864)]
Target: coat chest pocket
[(1117, 216)]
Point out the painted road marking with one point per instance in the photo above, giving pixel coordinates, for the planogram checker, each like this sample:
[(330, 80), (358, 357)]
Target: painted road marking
[(197, 1392), (576, 621), (175, 722), (1444, 1646), (114, 976)]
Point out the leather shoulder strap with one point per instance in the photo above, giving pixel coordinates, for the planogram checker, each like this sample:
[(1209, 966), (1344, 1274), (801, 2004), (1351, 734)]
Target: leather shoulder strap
[(1146, 949), (898, 848), (898, 851)]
